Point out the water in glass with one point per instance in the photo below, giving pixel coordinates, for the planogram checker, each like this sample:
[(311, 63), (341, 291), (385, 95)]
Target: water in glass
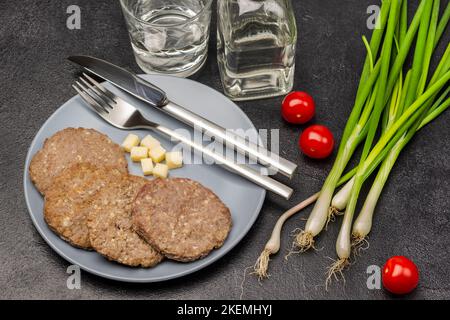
[(256, 47), (170, 37)]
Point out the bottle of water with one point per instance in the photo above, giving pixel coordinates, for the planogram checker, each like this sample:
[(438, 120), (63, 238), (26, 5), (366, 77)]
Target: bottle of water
[(256, 47)]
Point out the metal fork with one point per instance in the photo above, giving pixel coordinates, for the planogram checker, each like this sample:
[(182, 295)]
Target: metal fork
[(123, 115)]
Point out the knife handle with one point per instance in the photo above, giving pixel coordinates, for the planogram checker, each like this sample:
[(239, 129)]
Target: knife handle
[(266, 182), (150, 92), (238, 143)]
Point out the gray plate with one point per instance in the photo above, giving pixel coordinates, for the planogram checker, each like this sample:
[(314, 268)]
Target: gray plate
[(242, 197)]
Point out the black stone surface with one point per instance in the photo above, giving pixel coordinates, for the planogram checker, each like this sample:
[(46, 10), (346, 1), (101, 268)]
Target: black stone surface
[(412, 218)]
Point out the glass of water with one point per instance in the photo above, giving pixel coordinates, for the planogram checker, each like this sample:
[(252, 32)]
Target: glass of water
[(169, 36)]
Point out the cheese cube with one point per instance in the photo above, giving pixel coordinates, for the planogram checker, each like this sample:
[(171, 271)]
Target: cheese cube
[(130, 141), (157, 154), (138, 153), (160, 170), (150, 142), (174, 159), (147, 166)]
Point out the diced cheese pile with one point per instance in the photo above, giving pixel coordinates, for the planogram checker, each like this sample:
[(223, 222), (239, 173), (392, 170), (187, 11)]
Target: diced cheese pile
[(150, 154)]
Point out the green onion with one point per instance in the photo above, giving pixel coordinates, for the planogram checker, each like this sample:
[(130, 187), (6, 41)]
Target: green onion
[(416, 112), (341, 198), (421, 46), (429, 47), (363, 223), (343, 243), (405, 46), (403, 25), (407, 104), (361, 110), (442, 24)]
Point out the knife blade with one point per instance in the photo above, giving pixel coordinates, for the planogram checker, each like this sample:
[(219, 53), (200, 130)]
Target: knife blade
[(123, 79), (157, 98)]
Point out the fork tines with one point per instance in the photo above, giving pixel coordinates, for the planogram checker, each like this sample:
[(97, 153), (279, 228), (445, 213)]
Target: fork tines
[(95, 94)]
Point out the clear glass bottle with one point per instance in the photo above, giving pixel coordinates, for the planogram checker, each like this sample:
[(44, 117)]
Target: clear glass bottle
[(256, 47)]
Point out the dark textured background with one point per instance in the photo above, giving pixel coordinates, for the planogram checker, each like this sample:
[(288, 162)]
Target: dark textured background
[(412, 217)]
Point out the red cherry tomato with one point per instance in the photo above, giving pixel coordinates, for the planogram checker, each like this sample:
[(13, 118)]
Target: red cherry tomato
[(298, 107), (317, 142), (400, 275)]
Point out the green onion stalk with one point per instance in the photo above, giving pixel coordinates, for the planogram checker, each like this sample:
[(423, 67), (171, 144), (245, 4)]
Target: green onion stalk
[(368, 78), (363, 223), (361, 120), (350, 139), (321, 212), (343, 245), (342, 197), (340, 200)]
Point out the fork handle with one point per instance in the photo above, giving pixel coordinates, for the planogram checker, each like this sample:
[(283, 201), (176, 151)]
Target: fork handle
[(247, 148), (266, 182)]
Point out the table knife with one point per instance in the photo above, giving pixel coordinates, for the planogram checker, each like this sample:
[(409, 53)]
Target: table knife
[(157, 98)]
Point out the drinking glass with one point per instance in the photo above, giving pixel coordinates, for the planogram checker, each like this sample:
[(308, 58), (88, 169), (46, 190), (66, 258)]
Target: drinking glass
[(168, 36)]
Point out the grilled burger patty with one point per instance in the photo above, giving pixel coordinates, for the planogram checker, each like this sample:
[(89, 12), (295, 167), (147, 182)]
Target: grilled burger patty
[(181, 218), (68, 200), (110, 227), (70, 146)]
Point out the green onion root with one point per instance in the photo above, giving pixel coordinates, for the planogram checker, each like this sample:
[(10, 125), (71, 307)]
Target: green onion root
[(317, 220), (336, 268), (273, 245)]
